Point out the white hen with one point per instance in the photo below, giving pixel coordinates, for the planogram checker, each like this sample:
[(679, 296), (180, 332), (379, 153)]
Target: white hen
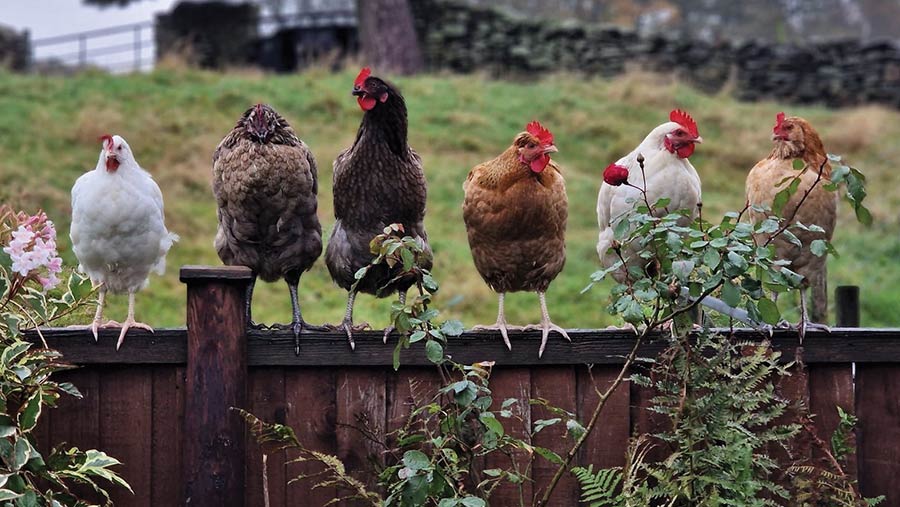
[(668, 173), (118, 231)]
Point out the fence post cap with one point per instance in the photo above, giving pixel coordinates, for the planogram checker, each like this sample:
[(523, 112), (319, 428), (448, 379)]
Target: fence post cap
[(193, 273)]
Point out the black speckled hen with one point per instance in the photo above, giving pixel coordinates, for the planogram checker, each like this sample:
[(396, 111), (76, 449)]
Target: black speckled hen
[(377, 181), (265, 182)]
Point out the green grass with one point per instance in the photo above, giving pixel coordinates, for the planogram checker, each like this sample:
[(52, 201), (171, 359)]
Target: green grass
[(174, 118)]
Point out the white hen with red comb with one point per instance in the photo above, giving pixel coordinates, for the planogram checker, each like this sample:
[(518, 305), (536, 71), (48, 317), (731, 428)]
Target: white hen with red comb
[(667, 174), (118, 231)]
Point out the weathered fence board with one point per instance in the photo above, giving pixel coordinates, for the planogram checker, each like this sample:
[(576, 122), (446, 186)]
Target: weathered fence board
[(878, 433), (161, 403)]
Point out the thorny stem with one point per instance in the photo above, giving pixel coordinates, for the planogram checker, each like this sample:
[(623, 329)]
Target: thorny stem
[(787, 223)]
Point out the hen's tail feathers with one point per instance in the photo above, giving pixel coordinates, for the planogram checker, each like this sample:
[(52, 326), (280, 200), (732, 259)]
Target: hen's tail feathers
[(819, 296), (164, 245)]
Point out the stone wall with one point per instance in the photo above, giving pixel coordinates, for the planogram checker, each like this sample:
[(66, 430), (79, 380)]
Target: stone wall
[(463, 38)]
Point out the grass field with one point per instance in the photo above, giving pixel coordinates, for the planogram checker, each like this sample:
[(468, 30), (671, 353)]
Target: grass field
[(173, 118)]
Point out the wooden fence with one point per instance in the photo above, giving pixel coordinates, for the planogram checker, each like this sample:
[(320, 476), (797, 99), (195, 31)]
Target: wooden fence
[(160, 404)]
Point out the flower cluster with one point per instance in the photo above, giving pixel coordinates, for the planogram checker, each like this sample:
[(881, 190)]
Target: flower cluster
[(33, 248)]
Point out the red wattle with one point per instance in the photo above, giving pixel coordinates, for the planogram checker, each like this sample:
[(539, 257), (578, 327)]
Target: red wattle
[(366, 102), (111, 164), (540, 163)]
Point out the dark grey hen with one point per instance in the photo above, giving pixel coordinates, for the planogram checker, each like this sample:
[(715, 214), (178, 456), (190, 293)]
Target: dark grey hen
[(265, 182), (378, 181)]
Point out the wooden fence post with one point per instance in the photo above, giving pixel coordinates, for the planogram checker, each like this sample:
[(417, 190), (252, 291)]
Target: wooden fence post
[(846, 306), (216, 379)]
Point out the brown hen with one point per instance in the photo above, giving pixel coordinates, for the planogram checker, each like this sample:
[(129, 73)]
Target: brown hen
[(265, 182), (795, 138), (515, 211)]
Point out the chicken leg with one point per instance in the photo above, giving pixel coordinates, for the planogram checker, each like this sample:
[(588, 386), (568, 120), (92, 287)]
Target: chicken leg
[(101, 300), (501, 324), (249, 303), (401, 295), (130, 322), (547, 325), (805, 322), (347, 323)]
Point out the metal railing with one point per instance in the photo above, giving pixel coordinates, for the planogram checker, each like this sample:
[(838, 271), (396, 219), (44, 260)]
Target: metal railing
[(132, 47)]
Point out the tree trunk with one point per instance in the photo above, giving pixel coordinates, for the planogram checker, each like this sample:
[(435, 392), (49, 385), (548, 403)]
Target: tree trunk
[(387, 36)]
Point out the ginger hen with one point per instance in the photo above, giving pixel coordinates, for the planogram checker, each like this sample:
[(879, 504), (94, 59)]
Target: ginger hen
[(515, 210), (378, 181), (118, 229), (265, 182), (795, 138)]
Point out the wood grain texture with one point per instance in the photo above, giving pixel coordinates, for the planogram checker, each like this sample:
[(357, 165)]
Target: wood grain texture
[(878, 432), (266, 400), (276, 347), (311, 401), (605, 446), (126, 423), (831, 386), (360, 410), (512, 383), (216, 380), (557, 385), (167, 437), (189, 274)]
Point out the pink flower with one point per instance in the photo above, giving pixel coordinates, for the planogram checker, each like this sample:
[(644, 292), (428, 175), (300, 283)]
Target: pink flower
[(32, 249), (615, 175)]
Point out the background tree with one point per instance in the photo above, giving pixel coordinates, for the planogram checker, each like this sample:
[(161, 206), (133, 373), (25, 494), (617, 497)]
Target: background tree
[(387, 36)]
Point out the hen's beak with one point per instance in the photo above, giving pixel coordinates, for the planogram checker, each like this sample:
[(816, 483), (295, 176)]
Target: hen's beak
[(357, 92), (698, 140), (550, 149)]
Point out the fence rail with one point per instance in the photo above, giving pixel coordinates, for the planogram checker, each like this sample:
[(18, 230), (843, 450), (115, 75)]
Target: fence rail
[(161, 403)]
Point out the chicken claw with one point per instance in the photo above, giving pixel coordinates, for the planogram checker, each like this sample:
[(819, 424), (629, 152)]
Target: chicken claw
[(501, 326), (129, 324)]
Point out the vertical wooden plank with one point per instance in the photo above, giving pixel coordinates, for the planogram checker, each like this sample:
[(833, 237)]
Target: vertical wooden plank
[(878, 433), (215, 381), (266, 401), (76, 422), (831, 386), (646, 422), (512, 383), (166, 475), (557, 385), (605, 447), (408, 388), (360, 406), (311, 401), (126, 429)]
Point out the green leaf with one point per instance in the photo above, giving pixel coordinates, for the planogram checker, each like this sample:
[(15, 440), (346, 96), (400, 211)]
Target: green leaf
[(768, 310), (731, 294), (6, 494), (416, 460), (543, 423), (417, 336), (491, 422), (30, 411), (408, 259), (452, 328), (711, 258), (548, 455), (818, 247), (471, 501), (434, 351), (798, 164), (863, 215)]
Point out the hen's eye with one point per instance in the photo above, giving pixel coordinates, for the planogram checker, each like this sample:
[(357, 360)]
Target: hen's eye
[(531, 145), (119, 148), (788, 127)]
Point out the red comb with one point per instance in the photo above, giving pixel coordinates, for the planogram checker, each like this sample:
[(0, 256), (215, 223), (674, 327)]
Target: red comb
[(779, 119), (363, 75), (542, 134), (685, 120), (107, 140)]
